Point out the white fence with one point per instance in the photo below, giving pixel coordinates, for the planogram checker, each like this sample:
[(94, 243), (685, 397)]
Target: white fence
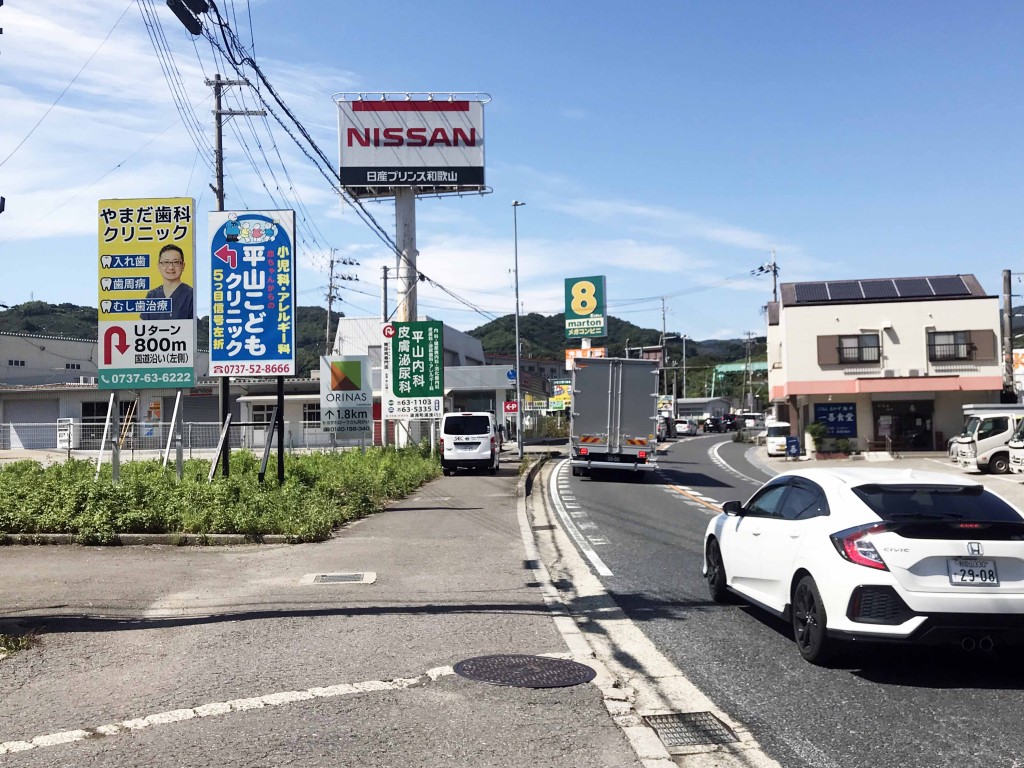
[(197, 438)]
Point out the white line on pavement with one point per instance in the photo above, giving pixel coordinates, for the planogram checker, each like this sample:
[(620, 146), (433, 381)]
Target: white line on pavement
[(222, 708), (570, 526)]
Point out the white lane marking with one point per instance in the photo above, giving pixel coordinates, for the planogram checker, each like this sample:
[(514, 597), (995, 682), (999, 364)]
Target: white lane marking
[(570, 526), (222, 708), (717, 458), (648, 683)]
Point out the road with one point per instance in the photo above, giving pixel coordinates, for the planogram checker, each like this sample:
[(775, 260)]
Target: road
[(886, 707)]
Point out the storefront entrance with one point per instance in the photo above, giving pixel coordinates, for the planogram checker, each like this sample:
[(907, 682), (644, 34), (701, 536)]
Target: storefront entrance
[(907, 422)]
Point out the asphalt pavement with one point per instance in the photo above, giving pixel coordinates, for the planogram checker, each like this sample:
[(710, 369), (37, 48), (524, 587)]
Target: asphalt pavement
[(341, 653), (242, 656)]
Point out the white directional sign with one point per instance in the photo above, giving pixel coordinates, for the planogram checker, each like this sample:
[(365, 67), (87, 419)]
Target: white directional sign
[(346, 396)]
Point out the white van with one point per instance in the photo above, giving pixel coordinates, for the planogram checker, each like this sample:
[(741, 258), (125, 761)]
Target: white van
[(468, 439), (776, 433)]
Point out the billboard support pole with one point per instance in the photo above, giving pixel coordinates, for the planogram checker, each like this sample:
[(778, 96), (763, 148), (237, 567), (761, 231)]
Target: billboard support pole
[(405, 237), (218, 151)]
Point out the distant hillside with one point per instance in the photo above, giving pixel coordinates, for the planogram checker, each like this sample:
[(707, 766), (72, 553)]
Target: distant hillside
[(72, 321), (545, 337)]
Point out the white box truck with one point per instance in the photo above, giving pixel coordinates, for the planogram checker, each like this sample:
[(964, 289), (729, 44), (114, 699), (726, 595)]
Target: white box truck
[(983, 446), (614, 416)]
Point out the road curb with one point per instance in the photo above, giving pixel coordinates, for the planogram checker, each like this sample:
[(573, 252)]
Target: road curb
[(135, 539)]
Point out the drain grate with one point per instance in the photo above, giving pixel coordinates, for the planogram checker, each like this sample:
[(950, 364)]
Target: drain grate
[(366, 577), (524, 671), (337, 578), (687, 729)]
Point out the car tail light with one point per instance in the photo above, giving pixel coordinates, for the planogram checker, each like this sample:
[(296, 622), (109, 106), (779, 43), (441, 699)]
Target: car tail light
[(492, 444), (584, 451), (440, 444), (853, 545)]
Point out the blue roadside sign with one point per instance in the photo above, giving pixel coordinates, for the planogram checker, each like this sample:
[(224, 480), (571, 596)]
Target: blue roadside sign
[(792, 447)]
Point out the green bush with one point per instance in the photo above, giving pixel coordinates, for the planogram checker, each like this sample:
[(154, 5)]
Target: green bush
[(321, 492)]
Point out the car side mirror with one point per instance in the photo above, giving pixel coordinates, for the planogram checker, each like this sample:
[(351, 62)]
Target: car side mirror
[(733, 507)]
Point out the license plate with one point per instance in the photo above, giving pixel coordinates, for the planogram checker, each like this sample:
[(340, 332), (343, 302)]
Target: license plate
[(613, 457), (965, 572)]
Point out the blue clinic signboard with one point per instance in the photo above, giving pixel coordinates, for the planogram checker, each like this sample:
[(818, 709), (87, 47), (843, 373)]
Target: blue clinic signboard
[(841, 418), (252, 312)]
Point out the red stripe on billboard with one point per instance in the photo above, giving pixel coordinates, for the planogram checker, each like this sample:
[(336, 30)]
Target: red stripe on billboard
[(410, 106)]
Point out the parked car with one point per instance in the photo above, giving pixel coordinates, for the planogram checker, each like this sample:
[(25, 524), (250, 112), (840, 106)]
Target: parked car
[(874, 555), (685, 427), (468, 439), (712, 424)]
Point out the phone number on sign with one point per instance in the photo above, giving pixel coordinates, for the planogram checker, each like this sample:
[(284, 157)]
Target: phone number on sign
[(150, 378), (234, 369)]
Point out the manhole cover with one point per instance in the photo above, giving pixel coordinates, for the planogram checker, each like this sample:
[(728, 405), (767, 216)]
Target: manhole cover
[(524, 671), (690, 728)]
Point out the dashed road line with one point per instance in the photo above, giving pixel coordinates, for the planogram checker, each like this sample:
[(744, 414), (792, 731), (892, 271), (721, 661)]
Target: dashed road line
[(571, 528), (222, 708)]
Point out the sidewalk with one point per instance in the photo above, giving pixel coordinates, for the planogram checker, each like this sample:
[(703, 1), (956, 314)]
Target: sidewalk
[(235, 656)]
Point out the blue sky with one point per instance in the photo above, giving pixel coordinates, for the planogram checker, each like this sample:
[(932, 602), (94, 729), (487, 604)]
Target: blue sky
[(670, 146)]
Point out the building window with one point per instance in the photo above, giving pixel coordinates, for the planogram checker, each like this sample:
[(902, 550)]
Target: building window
[(863, 348), (311, 413), (262, 413), (16, 363), (72, 366), (950, 345)]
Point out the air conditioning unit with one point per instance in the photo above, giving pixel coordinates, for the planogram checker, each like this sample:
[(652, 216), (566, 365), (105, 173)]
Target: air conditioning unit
[(914, 372), (86, 379), (889, 373)]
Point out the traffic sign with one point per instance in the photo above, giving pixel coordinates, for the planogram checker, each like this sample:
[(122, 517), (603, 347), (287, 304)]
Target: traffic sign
[(511, 406), (510, 374)]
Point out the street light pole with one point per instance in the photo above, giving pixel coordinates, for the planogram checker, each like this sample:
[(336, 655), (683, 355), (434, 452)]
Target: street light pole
[(519, 397), (684, 365)]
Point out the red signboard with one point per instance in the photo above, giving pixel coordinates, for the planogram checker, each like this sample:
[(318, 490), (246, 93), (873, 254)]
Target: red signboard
[(511, 406)]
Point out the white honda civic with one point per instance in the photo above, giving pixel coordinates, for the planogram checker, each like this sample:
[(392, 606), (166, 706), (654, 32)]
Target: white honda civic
[(874, 554)]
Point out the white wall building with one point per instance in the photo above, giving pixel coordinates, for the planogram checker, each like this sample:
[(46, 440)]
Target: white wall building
[(884, 358)]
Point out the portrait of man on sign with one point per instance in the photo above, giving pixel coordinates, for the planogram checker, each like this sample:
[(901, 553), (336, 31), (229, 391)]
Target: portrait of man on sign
[(171, 263)]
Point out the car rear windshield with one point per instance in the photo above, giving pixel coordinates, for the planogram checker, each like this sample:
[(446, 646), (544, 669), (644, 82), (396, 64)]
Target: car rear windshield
[(935, 502), (778, 431), (466, 425)]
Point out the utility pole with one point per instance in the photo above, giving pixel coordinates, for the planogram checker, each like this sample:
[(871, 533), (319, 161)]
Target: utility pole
[(218, 85), (665, 377), (330, 303)]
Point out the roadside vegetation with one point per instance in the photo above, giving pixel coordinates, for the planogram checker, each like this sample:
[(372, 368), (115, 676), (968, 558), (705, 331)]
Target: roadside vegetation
[(321, 492)]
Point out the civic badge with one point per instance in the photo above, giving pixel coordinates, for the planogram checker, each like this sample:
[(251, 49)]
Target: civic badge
[(974, 548)]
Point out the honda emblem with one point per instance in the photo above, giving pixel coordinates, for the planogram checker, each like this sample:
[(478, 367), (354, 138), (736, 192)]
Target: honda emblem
[(974, 548)]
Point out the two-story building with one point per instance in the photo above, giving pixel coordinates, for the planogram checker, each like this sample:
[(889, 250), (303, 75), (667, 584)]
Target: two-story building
[(884, 359)]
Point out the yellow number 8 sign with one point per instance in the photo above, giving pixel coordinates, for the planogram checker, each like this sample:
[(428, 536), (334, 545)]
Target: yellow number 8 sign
[(584, 307)]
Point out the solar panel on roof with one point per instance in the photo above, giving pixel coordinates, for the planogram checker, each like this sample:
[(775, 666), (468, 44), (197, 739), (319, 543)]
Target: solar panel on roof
[(913, 287), (811, 292), (845, 290), (878, 289), (949, 286)]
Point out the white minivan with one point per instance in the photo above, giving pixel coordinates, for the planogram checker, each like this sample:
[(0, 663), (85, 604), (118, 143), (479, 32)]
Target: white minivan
[(776, 433), (468, 439)]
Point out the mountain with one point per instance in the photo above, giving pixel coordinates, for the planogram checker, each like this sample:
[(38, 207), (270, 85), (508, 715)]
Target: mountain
[(544, 337), (72, 321)]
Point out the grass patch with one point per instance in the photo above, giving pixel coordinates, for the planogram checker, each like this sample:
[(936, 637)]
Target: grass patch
[(320, 492), (13, 643)]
